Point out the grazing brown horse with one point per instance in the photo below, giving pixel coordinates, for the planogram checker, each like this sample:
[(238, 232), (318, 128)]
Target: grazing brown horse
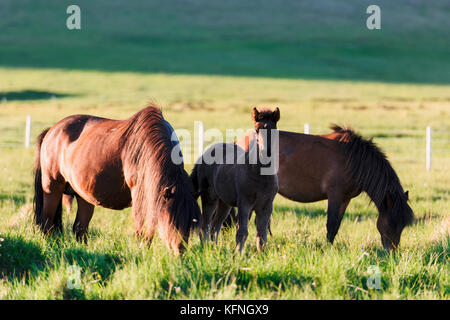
[(241, 183), (338, 167), (115, 164)]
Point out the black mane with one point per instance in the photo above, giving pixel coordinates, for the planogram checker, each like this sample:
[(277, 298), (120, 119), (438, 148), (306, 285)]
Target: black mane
[(372, 172)]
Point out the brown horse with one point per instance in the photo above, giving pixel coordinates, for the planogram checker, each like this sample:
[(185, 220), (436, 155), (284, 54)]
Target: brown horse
[(115, 164), (338, 167), (241, 183)]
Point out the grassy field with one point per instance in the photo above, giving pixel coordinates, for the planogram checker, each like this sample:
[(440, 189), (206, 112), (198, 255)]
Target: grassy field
[(199, 65)]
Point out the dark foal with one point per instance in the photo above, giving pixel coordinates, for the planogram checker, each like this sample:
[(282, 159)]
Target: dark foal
[(244, 183)]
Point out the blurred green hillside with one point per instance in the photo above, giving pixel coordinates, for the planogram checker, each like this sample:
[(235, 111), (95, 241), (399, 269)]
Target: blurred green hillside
[(321, 39)]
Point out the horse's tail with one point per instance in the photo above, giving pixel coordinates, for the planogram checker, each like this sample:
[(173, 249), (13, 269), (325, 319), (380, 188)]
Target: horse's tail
[(38, 201)]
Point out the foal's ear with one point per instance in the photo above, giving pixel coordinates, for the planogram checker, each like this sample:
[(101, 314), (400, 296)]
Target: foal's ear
[(276, 115), (407, 195), (255, 115), (167, 193)]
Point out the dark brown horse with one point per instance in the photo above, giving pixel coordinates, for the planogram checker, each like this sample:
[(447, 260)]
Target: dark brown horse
[(240, 183), (115, 164), (338, 167)]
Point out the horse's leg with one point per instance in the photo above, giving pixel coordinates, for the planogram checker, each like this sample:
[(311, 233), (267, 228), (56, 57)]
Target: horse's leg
[(262, 221), (222, 212), (75, 223), (52, 205), (231, 219), (336, 210), (84, 214), (209, 205), (67, 202), (242, 228)]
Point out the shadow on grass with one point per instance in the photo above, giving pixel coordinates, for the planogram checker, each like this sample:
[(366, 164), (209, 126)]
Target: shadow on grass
[(95, 262), (306, 211), (273, 279), (382, 135), (432, 198), (425, 218), (422, 280), (18, 200), (357, 287), (95, 265), (20, 258), (232, 218), (437, 252), (32, 95), (413, 282), (303, 211), (241, 280)]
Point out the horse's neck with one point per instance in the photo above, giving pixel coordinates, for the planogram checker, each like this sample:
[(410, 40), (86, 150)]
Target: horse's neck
[(255, 150)]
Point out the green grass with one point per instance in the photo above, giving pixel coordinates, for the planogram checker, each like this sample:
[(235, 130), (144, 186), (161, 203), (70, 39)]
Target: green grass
[(214, 61)]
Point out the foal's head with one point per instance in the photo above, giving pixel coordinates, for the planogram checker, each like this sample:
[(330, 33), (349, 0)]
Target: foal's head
[(395, 215), (265, 121)]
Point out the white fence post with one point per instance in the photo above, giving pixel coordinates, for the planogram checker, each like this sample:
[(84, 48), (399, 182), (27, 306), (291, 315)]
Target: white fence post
[(199, 132), (306, 128), (428, 148), (28, 131)]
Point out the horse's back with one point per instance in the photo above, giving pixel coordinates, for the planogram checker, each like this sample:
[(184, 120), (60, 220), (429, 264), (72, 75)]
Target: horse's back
[(84, 151), (308, 165), (69, 130), (57, 141), (217, 168)]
